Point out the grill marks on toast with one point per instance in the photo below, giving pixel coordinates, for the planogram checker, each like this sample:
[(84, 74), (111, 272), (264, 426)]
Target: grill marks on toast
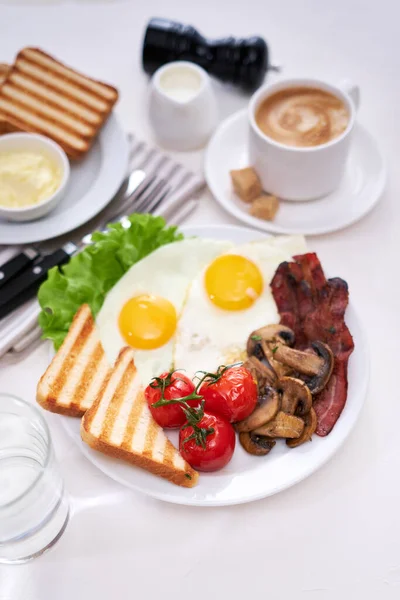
[(42, 95), (93, 377), (46, 109), (44, 60), (24, 120), (136, 409), (4, 68), (83, 341), (151, 438), (5, 127), (80, 98), (120, 424), (97, 418), (77, 372), (169, 456), (127, 387)]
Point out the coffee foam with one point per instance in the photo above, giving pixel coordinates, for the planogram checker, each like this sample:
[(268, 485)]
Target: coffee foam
[(302, 116)]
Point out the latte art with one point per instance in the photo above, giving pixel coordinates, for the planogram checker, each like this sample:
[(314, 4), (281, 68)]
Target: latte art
[(302, 116)]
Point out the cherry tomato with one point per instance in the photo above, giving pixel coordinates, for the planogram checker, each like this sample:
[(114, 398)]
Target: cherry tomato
[(179, 386), (219, 445), (233, 395)]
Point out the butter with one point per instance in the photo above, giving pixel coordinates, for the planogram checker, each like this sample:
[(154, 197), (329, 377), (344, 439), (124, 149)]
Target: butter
[(27, 178)]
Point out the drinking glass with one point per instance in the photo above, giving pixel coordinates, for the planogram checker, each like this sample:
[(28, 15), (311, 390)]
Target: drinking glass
[(33, 505)]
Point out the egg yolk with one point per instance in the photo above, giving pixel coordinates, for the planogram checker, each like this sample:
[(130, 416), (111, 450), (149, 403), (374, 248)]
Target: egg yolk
[(147, 322), (233, 282)]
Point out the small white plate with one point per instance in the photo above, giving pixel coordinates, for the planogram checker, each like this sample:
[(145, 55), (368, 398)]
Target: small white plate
[(246, 477), (359, 191), (94, 181)]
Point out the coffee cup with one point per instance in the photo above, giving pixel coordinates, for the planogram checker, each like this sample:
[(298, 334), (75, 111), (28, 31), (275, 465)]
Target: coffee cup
[(287, 167)]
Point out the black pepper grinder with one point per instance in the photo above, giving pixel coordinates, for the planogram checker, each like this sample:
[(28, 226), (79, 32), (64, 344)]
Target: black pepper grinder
[(240, 61)]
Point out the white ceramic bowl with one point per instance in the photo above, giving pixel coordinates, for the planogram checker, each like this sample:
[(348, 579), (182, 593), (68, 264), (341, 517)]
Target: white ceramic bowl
[(31, 142)]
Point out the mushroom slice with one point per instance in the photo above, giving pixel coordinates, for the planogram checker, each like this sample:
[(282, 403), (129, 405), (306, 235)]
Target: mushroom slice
[(262, 344), (296, 397), (261, 372), (317, 365), (317, 383), (259, 445), (310, 422), (269, 333), (269, 404), (283, 425), (303, 362)]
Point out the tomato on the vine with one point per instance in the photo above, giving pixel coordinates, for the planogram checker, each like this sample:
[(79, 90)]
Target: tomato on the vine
[(169, 386), (230, 392), (211, 448)]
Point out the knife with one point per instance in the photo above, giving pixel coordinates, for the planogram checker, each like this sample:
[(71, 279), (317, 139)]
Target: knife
[(15, 265), (23, 287)]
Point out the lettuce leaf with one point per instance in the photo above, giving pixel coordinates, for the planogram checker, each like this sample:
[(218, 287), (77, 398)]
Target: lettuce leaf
[(89, 275)]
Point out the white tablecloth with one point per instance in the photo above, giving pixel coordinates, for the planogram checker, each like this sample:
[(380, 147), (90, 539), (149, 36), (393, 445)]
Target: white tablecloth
[(337, 534)]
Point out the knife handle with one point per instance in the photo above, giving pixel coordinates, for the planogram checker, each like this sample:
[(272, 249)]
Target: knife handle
[(15, 265), (24, 286)]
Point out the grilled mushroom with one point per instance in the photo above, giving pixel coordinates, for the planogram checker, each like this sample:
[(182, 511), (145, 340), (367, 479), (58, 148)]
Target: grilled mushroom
[(310, 422), (269, 333), (263, 343), (317, 383), (261, 372), (259, 445), (283, 425), (316, 366), (269, 404), (296, 397)]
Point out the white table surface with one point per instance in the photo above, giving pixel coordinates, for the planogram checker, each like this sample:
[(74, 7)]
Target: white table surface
[(337, 534)]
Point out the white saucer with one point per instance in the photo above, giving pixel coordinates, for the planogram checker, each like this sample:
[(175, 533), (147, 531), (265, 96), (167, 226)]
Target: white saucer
[(358, 193), (93, 183)]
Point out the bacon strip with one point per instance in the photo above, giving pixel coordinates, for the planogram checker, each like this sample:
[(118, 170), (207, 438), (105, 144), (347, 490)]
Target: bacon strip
[(314, 308)]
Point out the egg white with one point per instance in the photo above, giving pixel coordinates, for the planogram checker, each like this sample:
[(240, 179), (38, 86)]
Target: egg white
[(209, 336), (166, 272)]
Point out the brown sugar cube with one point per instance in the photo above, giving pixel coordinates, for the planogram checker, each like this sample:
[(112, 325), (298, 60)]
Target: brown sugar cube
[(246, 184), (265, 207)]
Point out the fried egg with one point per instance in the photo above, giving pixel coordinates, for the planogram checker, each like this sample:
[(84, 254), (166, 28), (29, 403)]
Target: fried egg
[(143, 308), (229, 299)]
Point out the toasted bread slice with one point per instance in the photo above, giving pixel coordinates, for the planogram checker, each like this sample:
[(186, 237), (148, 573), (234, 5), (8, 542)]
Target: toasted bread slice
[(4, 126), (4, 68), (41, 95), (120, 424), (76, 374)]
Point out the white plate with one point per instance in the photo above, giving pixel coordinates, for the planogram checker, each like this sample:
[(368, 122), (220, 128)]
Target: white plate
[(246, 477), (359, 191), (93, 182)]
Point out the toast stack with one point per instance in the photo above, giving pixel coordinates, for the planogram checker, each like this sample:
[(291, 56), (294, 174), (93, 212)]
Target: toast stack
[(41, 95), (78, 371), (120, 424)]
